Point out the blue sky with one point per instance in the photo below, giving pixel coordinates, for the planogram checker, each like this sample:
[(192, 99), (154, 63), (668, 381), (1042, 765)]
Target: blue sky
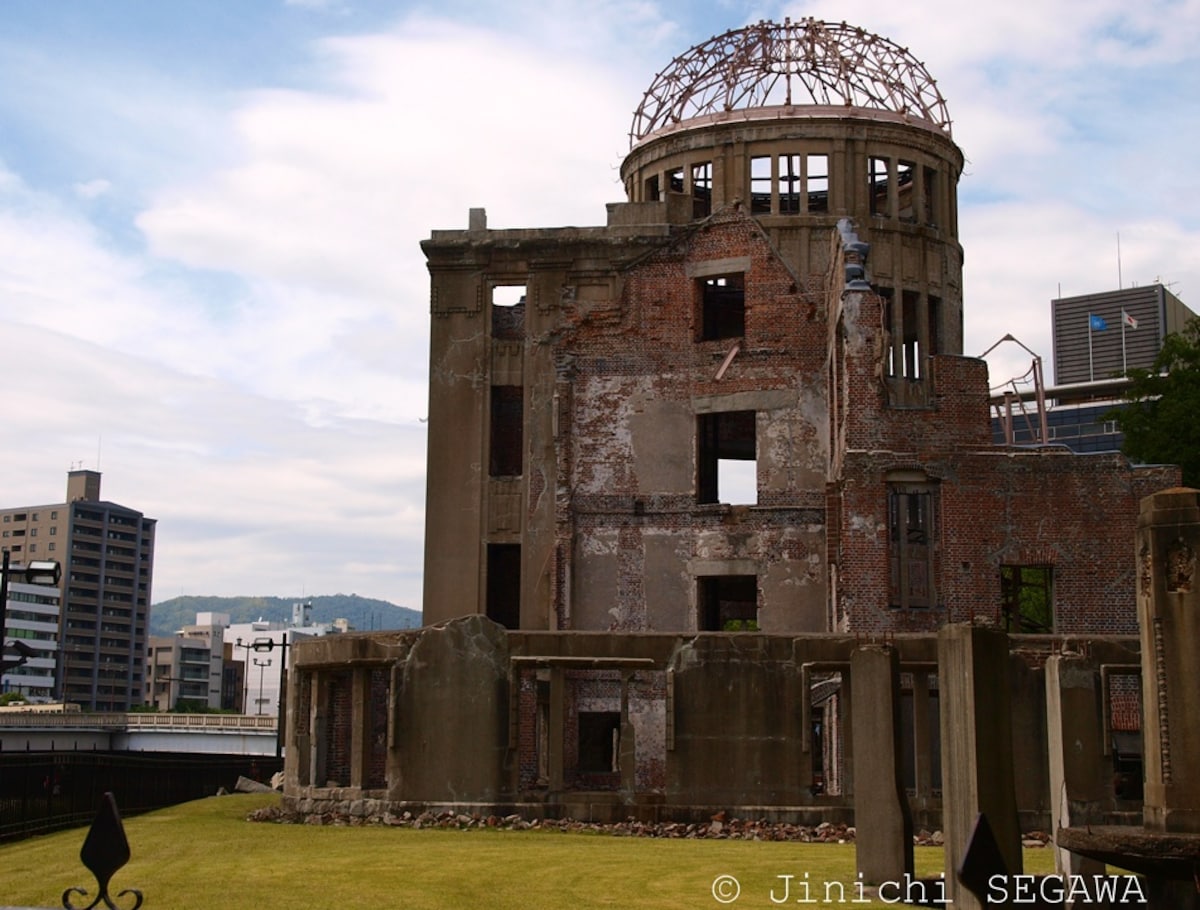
[(210, 281)]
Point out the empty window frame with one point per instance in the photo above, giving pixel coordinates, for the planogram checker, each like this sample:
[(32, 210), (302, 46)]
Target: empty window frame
[(1027, 598), (906, 188), (503, 591), (675, 180), (791, 184), (930, 209), (816, 183), (904, 356), (652, 189), (877, 185), (727, 469), (702, 187), (506, 436), (910, 545), (722, 306), (761, 181), (599, 742), (508, 312), (727, 603)]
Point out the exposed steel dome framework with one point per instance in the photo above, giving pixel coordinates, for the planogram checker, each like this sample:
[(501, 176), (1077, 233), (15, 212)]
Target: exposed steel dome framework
[(797, 63)]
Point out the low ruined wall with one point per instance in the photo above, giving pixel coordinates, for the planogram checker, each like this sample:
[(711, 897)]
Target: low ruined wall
[(467, 718)]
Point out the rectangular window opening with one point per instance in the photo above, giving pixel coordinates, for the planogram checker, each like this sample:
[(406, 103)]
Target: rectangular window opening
[(506, 435), (912, 368), (504, 584), (508, 312), (935, 332), (727, 458), (910, 546), (930, 205), (702, 186), (652, 190), (816, 177), (599, 742), (760, 185), (728, 603), (1026, 598), (791, 184), (906, 173), (877, 185), (675, 180), (722, 307)]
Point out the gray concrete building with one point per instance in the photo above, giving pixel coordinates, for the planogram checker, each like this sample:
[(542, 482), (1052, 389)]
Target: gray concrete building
[(107, 555), (1102, 336)]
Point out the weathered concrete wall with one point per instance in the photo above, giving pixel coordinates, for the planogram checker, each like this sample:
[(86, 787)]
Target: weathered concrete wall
[(1168, 540), (451, 738), (737, 724), (463, 714)]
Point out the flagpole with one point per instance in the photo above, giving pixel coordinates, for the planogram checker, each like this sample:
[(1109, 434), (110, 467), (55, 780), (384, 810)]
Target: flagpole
[(1124, 362)]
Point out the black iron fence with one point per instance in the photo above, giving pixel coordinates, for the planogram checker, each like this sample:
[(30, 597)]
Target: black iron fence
[(44, 791)]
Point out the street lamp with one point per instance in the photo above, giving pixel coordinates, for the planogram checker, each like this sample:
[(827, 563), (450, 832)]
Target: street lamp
[(262, 666), (268, 645), (34, 572)]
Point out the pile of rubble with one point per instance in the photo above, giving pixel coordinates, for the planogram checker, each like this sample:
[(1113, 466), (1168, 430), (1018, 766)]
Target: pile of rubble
[(719, 827)]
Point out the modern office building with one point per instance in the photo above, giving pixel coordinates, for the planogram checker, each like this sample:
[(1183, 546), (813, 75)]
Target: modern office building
[(1104, 336), (1098, 339), (107, 555)]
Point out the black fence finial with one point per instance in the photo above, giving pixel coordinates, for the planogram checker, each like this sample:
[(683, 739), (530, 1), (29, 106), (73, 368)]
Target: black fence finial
[(104, 851)]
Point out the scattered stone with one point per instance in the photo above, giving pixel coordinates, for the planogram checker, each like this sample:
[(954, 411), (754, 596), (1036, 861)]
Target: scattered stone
[(246, 785), (721, 827)]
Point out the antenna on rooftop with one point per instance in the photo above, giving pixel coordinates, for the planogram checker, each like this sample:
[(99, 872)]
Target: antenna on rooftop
[(1120, 286)]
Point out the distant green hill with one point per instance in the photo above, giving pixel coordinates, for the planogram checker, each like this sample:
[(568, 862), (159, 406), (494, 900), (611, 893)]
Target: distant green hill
[(365, 614)]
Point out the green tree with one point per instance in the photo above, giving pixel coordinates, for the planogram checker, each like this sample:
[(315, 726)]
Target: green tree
[(1161, 423)]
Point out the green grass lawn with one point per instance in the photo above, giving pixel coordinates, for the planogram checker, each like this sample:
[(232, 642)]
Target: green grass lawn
[(204, 854)]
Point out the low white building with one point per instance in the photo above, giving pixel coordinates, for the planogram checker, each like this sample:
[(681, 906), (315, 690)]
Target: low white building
[(263, 647)]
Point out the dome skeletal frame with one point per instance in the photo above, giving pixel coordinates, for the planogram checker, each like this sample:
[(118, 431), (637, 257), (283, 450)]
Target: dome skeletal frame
[(796, 63)]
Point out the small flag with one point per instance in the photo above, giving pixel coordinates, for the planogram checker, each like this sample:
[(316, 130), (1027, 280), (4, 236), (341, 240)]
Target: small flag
[(1096, 323), (1128, 320)]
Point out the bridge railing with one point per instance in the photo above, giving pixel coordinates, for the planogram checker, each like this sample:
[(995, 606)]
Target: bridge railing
[(138, 720)]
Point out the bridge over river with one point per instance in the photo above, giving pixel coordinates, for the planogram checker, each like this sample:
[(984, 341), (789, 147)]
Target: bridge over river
[(223, 734)]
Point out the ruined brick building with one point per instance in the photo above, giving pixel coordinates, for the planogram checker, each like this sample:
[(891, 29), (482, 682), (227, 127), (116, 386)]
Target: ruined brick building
[(740, 406), (782, 293)]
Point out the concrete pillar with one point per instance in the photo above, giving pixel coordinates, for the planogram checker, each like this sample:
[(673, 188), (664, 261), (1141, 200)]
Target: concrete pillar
[(298, 754), (922, 737), (1074, 739), (1168, 540), (846, 734), (884, 842), (977, 755), (557, 727), (627, 758), (320, 728), (360, 725)]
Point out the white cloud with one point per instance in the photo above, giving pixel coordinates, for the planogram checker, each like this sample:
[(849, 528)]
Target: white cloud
[(92, 189)]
